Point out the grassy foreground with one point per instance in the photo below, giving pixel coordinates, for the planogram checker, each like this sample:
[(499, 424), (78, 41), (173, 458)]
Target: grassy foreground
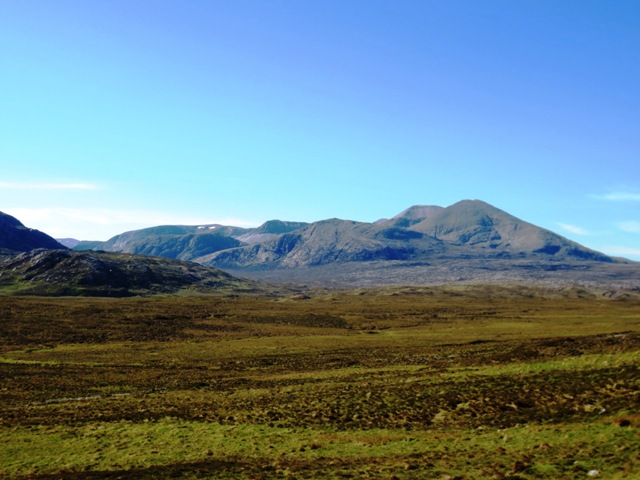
[(443, 383)]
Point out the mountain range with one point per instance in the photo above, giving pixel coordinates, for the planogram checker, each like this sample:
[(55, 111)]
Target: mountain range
[(33, 263), (189, 242), (469, 228), (469, 241), (465, 229)]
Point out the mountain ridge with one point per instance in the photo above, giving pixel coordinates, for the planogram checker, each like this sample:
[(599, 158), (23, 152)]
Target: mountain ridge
[(188, 242), (471, 223), (468, 241), (470, 228)]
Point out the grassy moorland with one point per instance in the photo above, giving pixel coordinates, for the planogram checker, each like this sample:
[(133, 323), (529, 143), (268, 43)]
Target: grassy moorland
[(443, 383)]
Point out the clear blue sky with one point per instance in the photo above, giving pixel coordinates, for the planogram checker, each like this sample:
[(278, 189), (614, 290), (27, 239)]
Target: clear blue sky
[(125, 114)]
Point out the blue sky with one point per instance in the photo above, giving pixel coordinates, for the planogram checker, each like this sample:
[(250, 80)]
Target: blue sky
[(125, 114)]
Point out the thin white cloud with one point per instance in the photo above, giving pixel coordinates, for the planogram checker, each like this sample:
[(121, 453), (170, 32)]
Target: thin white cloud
[(574, 229), (47, 186), (619, 197), (630, 252), (102, 224), (629, 227)]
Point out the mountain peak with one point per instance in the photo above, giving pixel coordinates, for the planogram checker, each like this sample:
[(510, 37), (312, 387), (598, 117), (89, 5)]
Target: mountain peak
[(421, 212), (413, 215), (278, 226), (479, 224)]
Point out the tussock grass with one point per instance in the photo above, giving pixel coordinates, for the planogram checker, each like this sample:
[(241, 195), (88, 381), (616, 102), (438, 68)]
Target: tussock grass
[(402, 383), (162, 448)]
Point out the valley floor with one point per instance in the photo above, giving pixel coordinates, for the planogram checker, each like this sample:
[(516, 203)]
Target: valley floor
[(445, 382)]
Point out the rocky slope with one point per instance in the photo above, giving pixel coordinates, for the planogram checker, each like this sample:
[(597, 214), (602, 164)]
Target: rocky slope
[(64, 272), (16, 237)]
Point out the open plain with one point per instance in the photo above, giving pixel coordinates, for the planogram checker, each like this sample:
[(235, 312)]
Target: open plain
[(458, 382)]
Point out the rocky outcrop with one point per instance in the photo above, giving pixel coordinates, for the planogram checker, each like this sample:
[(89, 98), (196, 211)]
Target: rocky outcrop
[(64, 272)]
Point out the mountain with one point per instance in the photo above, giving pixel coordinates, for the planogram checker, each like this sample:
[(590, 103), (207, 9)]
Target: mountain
[(170, 241), (269, 230), (467, 229), (16, 237), (188, 242), (482, 226), (65, 272), (413, 215), (325, 242), (469, 241), (68, 242)]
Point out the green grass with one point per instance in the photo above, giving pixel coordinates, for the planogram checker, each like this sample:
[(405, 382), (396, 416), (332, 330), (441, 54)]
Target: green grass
[(419, 384), (161, 448)]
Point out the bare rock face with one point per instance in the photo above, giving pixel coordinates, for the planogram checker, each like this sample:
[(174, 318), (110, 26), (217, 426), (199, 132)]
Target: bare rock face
[(15, 236)]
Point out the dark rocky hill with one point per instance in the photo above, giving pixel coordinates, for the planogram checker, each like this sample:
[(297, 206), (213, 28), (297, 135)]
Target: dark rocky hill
[(65, 272), (15, 236)]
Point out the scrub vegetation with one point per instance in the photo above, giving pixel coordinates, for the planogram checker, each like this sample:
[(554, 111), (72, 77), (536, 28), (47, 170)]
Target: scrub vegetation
[(459, 382)]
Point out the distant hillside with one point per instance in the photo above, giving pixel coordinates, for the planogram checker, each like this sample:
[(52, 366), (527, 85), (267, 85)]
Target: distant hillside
[(15, 236), (68, 242), (269, 230), (64, 272), (188, 242)]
